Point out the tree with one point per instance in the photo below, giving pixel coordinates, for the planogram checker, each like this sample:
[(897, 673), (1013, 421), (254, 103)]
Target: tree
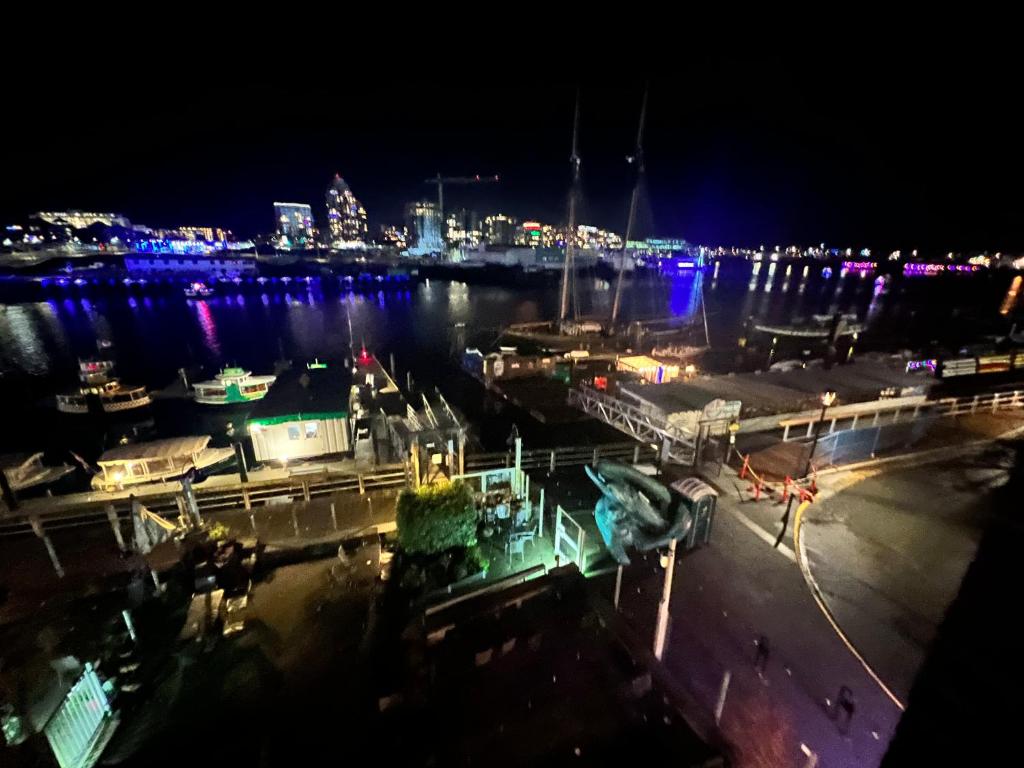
[(436, 518)]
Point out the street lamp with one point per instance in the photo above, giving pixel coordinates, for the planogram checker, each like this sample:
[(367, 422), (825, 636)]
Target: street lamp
[(828, 398)]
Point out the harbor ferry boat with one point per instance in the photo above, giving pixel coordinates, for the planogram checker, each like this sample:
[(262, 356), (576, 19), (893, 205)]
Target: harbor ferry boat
[(232, 386), (97, 381)]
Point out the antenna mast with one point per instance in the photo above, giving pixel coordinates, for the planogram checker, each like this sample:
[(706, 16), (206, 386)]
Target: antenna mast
[(568, 268), (638, 158)]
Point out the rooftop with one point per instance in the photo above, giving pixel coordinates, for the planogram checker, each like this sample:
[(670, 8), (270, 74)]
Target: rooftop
[(157, 449), (302, 392), (772, 392)]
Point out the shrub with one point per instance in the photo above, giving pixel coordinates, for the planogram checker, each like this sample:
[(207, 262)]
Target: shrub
[(436, 518)]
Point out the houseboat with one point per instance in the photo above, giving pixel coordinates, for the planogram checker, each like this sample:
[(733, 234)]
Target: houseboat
[(97, 382), (157, 461), (231, 386), (27, 471), (306, 415)]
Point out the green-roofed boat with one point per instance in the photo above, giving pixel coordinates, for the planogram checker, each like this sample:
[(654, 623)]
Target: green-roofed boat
[(233, 386)]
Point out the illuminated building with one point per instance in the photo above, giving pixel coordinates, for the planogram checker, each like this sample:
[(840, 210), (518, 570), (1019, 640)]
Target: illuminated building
[(82, 219), (599, 239), (294, 225), (397, 237), (463, 228), (499, 229), (530, 234), (424, 223), (346, 217), (208, 234)]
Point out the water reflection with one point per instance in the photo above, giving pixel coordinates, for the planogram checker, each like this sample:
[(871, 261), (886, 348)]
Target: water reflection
[(20, 342), (207, 326)]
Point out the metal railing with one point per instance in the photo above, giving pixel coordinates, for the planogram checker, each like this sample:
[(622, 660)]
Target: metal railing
[(649, 428), (871, 415), (302, 487)]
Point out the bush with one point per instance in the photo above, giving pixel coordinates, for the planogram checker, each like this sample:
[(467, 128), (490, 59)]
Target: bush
[(437, 518)]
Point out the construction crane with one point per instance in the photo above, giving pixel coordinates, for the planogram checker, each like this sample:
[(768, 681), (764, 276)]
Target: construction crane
[(442, 180)]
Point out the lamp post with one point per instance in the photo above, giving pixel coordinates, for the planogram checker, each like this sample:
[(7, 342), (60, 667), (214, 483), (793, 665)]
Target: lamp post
[(827, 399)]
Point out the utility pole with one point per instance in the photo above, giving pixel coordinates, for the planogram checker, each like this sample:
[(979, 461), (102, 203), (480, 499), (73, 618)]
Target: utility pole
[(827, 399), (638, 158), (661, 632), (569, 265)]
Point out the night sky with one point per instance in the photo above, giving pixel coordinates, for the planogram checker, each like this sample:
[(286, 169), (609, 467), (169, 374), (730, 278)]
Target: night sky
[(891, 152)]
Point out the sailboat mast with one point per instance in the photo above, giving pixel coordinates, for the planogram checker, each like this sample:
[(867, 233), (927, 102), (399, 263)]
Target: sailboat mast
[(638, 158), (568, 267)]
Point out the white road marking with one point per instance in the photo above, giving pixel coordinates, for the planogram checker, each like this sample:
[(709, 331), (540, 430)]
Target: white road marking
[(762, 534)]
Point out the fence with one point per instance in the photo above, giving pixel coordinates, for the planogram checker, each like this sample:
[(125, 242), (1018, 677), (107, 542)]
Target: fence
[(575, 541), (81, 509), (885, 412)]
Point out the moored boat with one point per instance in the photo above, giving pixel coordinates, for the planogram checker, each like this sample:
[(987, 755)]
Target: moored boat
[(157, 461), (232, 385), (198, 290), (26, 471), (97, 382)]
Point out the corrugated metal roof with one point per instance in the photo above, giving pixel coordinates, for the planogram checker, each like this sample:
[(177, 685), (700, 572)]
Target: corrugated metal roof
[(157, 449), (693, 488)]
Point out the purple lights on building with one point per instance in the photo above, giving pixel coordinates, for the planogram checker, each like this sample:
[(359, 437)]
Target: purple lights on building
[(860, 266), (918, 270)]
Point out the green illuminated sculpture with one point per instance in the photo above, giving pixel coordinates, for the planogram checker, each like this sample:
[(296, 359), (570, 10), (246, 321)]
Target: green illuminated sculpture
[(636, 510)]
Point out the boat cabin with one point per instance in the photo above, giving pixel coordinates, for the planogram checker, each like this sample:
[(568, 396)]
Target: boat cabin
[(154, 461)]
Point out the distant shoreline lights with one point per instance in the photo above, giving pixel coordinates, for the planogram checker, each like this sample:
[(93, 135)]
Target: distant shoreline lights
[(928, 270), (860, 266)]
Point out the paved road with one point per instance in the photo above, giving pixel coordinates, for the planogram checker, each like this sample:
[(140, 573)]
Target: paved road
[(889, 553), (725, 597)]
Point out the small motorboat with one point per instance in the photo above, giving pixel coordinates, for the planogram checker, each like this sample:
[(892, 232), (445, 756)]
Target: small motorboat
[(198, 290)]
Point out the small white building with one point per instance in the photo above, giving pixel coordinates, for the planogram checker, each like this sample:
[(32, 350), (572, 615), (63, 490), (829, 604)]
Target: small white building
[(304, 415)]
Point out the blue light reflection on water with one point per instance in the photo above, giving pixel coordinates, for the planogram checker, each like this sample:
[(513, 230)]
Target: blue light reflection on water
[(154, 336)]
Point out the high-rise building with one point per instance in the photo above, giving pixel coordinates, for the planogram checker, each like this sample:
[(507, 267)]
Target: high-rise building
[(424, 222), (463, 228), (346, 217), (294, 225), (499, 229)]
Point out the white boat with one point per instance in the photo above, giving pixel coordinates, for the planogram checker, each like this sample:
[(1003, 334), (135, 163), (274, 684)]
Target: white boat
[(157, 461), (25, 471), (198, 290), (97, 382), (231, 386)]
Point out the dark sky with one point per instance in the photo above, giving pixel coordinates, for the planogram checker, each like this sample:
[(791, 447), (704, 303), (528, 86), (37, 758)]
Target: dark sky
[(881, 151)]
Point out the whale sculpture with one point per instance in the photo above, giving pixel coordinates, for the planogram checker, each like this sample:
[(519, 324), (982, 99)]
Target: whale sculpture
[(636, 511)]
